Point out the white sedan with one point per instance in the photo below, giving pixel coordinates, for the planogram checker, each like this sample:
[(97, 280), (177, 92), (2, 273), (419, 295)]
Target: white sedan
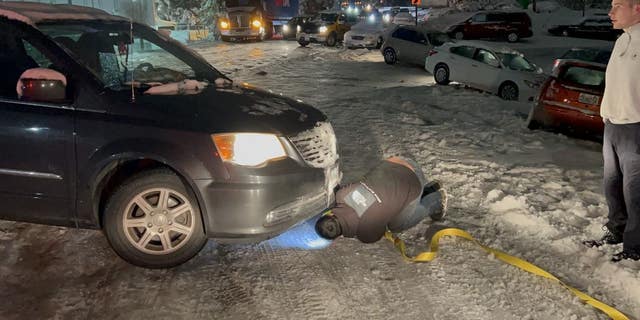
[(365, 34), (498, 70)]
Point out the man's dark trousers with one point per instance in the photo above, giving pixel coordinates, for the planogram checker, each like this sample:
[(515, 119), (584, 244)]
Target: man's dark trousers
[(621, 152)]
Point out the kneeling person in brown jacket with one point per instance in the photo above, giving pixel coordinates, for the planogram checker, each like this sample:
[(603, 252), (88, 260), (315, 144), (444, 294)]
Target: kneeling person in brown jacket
[(394, 195)]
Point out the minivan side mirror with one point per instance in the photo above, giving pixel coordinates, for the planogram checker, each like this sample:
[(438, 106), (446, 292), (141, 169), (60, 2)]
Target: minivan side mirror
[(42, 85)]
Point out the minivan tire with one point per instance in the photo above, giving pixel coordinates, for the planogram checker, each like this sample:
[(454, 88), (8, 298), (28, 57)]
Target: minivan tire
[(151, 234), (512, 37), (508, 91), (390, 56), (441, 74), (458, 35)]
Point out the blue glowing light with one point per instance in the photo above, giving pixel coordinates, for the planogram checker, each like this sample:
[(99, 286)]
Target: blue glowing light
[(302, 236)]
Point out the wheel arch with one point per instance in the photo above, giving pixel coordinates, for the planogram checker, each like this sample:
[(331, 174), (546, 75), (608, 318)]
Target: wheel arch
[(114, 165)]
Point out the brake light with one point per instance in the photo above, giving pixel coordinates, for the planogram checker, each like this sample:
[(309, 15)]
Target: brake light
[(551, 89), (432, 52)]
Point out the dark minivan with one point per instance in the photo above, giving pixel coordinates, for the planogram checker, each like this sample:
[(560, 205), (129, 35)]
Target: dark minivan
[(509, 25), (108, 124)]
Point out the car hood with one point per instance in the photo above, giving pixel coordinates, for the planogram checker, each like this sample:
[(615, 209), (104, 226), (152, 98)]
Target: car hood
[(229, 108)]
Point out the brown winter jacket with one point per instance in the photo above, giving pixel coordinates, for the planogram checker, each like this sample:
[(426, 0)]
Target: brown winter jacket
[(390, 186)]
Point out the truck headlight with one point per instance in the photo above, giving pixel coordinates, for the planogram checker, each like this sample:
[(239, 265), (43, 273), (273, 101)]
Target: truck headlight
[(256, 23), (285, 28), (323, 29), (224, 25), (298, 28), (248, 149)]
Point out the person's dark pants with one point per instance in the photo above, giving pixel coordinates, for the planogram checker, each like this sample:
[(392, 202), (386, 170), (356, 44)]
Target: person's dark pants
[(621, 152)]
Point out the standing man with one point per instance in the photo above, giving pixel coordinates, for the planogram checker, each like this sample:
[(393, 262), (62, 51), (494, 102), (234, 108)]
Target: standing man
[(393, 195), (620, 110)]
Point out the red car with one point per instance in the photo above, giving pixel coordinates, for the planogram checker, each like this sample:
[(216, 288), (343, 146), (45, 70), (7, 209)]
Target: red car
[(570, 99)]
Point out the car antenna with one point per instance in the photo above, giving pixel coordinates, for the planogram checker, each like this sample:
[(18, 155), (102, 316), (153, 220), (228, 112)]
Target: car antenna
[(133, 92)]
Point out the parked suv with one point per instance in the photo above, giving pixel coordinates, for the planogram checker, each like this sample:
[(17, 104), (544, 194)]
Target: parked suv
[(410, 44), (327, 27), (115, 126), (493, 24)]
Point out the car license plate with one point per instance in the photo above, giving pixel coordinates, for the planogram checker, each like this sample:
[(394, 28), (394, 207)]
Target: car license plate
[(588, 98)]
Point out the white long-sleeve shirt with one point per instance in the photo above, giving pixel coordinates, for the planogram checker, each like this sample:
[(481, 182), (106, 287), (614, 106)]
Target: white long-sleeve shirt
[(621, 100)]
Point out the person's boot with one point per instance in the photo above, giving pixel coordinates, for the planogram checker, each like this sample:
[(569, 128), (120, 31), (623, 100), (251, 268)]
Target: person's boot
[(608, 238), (430, 187), (626, 254)]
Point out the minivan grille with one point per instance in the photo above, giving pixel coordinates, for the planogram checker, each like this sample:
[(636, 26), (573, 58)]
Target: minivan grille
[(317, 146)]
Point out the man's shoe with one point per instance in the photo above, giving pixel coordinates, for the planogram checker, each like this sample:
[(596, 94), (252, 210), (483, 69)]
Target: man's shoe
[(430, 187), (436, 204), (608, 238), (626, 254)]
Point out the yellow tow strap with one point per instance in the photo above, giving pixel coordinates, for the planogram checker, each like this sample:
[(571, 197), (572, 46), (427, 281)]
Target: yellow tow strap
[(517, 262)]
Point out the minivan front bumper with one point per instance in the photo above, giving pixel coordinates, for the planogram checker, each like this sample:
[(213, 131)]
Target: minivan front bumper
[(255, 207)]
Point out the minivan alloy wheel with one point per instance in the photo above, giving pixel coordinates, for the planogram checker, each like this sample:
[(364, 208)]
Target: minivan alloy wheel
[(158, 221), (153, 220), (512, 37)]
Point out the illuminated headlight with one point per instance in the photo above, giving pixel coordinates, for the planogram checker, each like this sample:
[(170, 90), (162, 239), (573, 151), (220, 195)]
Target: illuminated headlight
[(256, 24), (285, 28), (531, 84), (248, 149), (372, 18), (298, 28), (224, 25), (386, 17), (323, 29)]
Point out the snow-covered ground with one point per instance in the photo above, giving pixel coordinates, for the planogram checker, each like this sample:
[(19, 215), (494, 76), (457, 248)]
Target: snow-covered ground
[(533, 194)]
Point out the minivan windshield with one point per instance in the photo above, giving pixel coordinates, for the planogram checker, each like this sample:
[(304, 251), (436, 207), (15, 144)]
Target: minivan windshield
[(119, 56), (326, 17), (515, 61)]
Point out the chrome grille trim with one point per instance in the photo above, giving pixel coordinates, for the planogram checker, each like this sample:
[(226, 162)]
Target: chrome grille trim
[(317, 146)]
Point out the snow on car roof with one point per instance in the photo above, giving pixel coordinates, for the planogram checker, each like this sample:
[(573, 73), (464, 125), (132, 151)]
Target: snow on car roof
[(34, 13), (483, 45)]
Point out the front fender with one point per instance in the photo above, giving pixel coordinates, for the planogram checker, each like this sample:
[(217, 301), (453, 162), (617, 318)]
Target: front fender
[(191, 161)]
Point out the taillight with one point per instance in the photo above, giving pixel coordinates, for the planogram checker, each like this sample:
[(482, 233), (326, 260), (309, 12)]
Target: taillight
[(432, 52), (551, 89)]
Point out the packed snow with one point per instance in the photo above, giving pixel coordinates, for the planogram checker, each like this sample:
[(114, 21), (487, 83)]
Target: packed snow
[(532, 194)]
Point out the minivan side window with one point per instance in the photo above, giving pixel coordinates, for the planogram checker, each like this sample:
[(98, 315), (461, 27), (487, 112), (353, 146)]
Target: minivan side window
[(16, 57), (464, 51), (496, 17), (481, 17)]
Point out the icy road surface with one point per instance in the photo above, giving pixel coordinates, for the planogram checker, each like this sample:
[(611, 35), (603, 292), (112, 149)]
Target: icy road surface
[(533, 194)]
